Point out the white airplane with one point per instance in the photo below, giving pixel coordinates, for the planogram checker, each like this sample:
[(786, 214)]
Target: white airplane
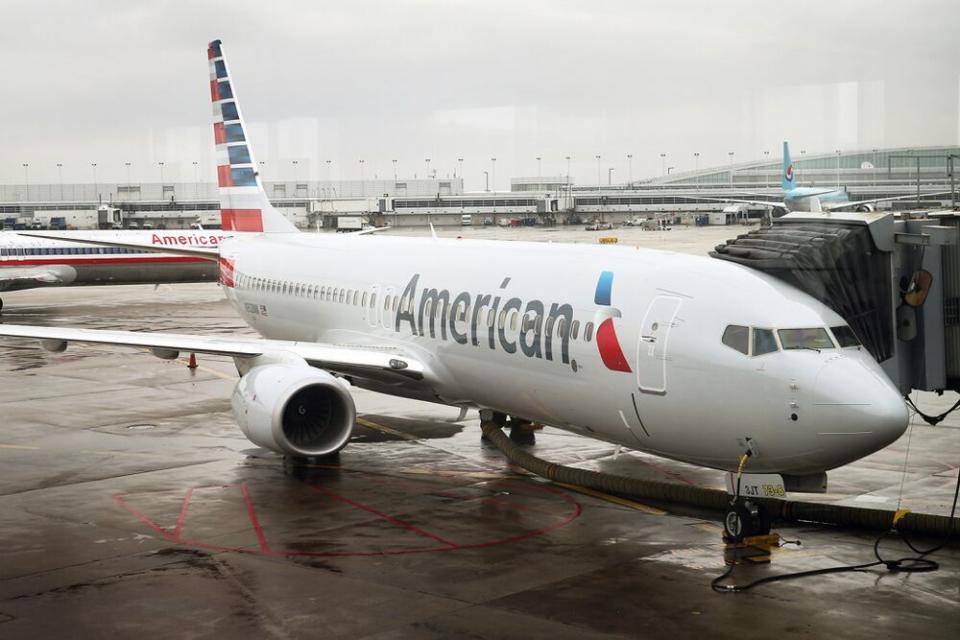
[(57, 260), (685, 357)]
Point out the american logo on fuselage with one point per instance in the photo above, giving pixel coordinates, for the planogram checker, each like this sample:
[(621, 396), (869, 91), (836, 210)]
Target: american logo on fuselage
[(489, 320), (192, 240)]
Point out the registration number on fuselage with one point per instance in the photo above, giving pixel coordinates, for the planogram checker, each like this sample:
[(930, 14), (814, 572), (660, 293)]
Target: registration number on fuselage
[(757, 485)]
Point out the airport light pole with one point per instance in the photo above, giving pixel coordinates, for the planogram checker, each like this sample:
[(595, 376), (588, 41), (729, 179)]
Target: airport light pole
[(394, 161), (609, 176), (493, 173), (460, 165), (427, 161), (486, 181), (363, 186), (26, 180), (96, 195), (838, 168), (663, 164), (196, 179), (60, 178), (730, 155), (696, 164), (538, 166), (629, 168), (766, 170)]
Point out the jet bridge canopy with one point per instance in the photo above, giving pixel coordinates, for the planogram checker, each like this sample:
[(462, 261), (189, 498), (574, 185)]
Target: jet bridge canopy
[(862, 266)]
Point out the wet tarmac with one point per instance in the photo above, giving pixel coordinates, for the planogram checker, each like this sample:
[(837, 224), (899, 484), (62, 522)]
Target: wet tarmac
[(132, 506)]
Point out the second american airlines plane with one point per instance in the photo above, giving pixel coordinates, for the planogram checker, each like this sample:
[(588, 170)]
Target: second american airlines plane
[(685, 357)]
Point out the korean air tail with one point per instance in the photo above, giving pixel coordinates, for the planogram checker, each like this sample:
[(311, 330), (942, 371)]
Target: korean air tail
[(786, 180), (243, 202)]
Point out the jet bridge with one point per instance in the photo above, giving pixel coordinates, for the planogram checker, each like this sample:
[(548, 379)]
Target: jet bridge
[(896, 280)]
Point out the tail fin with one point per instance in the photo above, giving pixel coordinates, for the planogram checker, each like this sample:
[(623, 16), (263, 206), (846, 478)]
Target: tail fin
[(787, 180), (243, 202)]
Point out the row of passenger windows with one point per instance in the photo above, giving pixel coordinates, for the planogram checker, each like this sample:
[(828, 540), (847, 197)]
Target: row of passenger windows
[(65, 251), (512, 320), (754, 341)]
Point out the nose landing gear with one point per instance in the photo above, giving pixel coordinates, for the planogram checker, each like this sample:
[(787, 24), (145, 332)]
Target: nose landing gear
[(745, 519)]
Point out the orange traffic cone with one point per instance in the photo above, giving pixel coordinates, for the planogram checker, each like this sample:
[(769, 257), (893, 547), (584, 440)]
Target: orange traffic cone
[(193, 361)]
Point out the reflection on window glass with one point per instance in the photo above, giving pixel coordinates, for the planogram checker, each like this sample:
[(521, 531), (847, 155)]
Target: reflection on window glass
[(737, 337), (845, 336), (813, 338), (763, 341)]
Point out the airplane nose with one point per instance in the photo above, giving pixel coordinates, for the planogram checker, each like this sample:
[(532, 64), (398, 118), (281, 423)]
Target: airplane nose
[(857, 410)]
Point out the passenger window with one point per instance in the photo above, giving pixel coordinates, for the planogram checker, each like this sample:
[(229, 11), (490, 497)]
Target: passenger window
[(373, 301), (763, 341), (588, 332), (562, 327), (737, 337), (363, 300), (845, 336), (513, 320), (574, 329), (342, 295), (323, 293), (503, 316), (395, 301), (815, 338), (549, 327), (491, 315)]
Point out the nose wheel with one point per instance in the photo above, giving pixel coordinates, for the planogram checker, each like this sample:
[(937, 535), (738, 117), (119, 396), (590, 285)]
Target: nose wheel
[(745, 519)]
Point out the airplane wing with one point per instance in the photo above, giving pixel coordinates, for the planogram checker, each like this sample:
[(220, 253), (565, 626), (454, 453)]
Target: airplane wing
[(855, 203), (386, 364), (763, 203), (15, 278), (208, 252)]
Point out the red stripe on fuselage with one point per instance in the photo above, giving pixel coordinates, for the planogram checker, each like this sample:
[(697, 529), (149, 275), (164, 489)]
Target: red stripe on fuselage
[(6, 262)]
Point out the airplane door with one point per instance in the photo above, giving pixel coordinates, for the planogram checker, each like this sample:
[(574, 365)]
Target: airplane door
[(652, 354)]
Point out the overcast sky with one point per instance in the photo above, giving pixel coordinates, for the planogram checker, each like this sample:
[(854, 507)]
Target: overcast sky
[(118, 81)]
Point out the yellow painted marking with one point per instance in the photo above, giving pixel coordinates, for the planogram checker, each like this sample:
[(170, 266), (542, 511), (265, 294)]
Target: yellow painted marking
[(18, 446), (379, 427), (614, 499)]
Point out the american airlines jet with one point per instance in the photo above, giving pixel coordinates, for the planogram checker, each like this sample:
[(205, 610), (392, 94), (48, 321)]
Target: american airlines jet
[(56, 261), (686, 357)]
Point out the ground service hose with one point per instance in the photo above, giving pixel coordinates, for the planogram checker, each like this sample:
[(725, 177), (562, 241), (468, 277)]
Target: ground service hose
[(714, 499)]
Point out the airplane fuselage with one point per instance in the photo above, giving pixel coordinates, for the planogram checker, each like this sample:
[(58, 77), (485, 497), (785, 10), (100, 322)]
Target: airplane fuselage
[(28, 262), (620, 344), (800, 198)]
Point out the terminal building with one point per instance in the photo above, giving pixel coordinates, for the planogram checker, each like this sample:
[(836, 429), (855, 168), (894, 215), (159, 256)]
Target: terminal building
[(866, 175)]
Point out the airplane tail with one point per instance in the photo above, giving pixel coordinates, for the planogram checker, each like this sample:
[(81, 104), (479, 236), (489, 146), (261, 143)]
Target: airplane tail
[(787, 179), (244, 205)]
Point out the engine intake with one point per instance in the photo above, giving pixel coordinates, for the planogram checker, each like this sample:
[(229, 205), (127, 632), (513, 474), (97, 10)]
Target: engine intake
[(294, 409)]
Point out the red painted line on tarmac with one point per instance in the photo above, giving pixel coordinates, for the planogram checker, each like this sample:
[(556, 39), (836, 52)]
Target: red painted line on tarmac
[(397, 521), (264, 549), (247, 500), (183, 513)]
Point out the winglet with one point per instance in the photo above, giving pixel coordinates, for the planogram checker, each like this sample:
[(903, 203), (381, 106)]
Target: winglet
[(244, 205)]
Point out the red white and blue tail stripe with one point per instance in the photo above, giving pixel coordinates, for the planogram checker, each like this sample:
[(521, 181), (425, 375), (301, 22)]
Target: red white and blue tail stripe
[(243, 202)]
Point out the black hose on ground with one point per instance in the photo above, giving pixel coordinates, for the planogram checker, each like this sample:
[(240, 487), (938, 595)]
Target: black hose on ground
[(714, 499)]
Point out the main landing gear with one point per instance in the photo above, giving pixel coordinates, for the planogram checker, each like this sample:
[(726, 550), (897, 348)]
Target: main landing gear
[(745, 519)]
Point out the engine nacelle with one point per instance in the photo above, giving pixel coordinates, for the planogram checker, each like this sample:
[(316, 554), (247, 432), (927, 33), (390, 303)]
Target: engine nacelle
[(864, 208), (294, 409)]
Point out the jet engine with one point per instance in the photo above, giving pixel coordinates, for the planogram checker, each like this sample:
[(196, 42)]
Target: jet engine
[(294, 409), (863, 208)]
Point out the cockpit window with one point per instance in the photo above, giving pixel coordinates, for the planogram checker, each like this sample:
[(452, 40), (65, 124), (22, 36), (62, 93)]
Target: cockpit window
[(737, 337), (845, 336), (814, 338), (763, 341)]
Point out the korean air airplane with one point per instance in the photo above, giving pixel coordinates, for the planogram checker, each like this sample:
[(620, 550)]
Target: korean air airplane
[(797, 198), (686, 357), (58, 261)]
